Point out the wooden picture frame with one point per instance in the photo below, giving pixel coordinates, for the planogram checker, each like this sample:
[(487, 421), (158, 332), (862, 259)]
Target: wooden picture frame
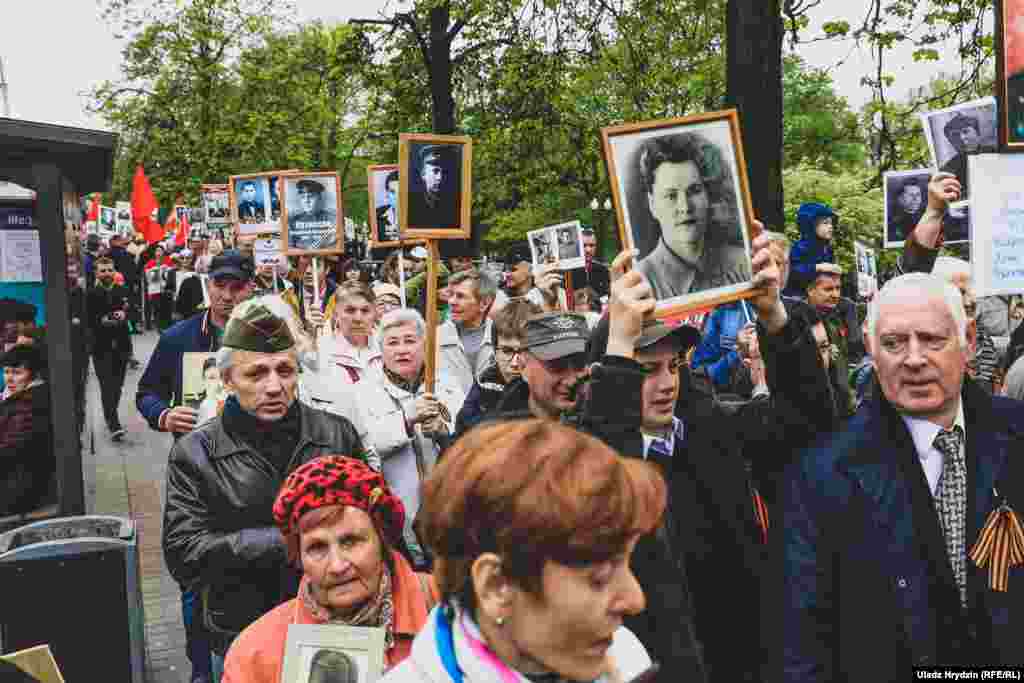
[(321, 239), (722, 202), (376, 182), (448, 215), (270, 186), (360, 651), (1010, 67)]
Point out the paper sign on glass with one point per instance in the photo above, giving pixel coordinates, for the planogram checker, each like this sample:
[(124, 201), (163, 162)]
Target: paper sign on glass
[(997, 224)]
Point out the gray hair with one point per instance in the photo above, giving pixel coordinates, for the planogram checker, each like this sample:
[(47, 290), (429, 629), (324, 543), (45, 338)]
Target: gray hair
[(923, 285), (403, 316), (486, 286), (948, 267)]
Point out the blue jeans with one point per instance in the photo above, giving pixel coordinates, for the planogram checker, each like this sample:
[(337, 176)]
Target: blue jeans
[(217, 665), (197, 646)]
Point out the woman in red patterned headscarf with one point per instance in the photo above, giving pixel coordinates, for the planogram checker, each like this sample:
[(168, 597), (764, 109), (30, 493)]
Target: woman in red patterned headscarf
[(342, 525)]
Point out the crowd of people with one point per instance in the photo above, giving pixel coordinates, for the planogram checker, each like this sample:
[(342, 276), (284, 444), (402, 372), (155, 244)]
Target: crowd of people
[(798, 488)]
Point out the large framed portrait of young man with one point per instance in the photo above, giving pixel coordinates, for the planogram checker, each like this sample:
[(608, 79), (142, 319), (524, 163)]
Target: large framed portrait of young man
[(435, 183), (313, 221), (682, 199), (1010, 74), (382, 181)]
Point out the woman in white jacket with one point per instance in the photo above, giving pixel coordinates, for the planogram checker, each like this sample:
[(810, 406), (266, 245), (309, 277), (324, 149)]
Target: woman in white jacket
[(532, 525), (407, 427)]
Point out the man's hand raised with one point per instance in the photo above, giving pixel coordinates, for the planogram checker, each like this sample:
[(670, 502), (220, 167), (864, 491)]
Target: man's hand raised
[(767, 278), (631, 301)]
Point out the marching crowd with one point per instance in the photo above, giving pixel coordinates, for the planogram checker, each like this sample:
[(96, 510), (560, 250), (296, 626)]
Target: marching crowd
[(570, 490)]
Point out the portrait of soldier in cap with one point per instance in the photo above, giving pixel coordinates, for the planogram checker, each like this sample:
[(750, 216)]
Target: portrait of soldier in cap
[(250, 201), (958, 132), (435, 186), (333, 666), (311, 204)]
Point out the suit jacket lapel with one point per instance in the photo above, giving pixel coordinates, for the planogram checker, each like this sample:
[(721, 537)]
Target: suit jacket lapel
[(988, 445)]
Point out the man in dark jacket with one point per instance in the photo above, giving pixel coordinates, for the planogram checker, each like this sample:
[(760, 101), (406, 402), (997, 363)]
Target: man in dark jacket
[(219, 537), (27, 463), (112, 341), (592, 274)]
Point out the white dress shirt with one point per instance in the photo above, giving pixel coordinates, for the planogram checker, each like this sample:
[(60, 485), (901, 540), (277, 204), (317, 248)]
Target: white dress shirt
[(923, 433)]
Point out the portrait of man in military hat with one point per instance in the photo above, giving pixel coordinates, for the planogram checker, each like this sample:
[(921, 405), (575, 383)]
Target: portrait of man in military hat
[(958, 132), (435, 186), (311, 203)]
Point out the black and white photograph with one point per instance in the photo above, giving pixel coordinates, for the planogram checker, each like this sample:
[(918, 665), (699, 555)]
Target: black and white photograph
[(253, 202), (313, 216), (108, 220), (333, 654), (957, 132), (123, 219), (867, 270), (906, 198), (215, 201), (560, 244), (382, 180), (434, 186), (682, 200)]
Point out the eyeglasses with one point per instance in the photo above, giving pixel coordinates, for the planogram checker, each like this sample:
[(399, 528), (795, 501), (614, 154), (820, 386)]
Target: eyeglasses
[(510, 352), (576, 361)]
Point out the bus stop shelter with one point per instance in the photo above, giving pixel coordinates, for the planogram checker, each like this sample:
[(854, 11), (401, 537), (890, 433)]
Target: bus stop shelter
[(58, 163)]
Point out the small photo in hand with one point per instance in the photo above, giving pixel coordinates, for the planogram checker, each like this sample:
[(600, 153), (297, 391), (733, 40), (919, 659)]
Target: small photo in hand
[(957, 132), (560, 244)]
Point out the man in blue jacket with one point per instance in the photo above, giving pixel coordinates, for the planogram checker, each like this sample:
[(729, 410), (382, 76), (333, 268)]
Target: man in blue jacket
[(817, 223), (717, 353)]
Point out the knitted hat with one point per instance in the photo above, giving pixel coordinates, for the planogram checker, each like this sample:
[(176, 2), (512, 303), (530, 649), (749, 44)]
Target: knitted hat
[(258, 329), (339, 480)]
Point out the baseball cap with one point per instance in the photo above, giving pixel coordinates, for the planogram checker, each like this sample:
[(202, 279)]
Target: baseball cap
[(551, 336), (653, 332), (231, 263)]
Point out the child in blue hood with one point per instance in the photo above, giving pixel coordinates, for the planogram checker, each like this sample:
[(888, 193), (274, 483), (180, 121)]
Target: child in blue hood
[(816, 222)]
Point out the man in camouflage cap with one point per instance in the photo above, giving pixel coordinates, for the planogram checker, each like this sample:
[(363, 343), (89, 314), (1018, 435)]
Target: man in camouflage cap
[(554, 363), (219, 536)]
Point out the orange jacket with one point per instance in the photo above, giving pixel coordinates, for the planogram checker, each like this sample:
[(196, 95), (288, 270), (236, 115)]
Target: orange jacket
[(257, 655)]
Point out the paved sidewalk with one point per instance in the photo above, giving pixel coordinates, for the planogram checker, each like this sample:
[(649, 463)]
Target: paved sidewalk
[(127, 479)]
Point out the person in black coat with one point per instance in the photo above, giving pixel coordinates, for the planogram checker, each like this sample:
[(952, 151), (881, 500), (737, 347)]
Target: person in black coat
[(112, 340), (592, 274)]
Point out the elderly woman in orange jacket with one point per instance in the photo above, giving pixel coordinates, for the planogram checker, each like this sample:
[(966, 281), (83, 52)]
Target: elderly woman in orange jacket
[(341, 524)]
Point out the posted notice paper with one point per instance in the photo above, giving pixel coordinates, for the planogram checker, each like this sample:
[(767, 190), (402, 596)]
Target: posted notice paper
[(997, 223)]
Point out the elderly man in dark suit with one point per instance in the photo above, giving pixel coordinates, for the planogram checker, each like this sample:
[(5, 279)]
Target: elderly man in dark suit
[(882, 519)]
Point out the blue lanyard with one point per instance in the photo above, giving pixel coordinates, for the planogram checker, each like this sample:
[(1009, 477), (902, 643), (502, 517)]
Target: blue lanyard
[(446, 645)]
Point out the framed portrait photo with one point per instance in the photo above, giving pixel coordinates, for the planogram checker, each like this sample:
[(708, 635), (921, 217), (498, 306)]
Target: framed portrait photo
[(1010, 73), (906, 199), (250, 204), (333, 654), (683, 200), (957, 132), (312, 221), (216, 204), (108, 220), (435, 182), (560, 244), (382, 181)]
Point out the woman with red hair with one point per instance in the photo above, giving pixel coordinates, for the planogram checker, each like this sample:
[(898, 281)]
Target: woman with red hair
[(532, 525), (342, 526)]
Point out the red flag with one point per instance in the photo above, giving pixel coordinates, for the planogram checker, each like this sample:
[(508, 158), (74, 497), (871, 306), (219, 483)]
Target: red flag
[(93, 214), (144, 208)]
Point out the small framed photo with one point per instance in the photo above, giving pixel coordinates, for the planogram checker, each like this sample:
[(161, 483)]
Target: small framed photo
[(313, 221), (560, 244), (250, 204), (108, 220), (867, 269), (1010, 74), (906, 198), (382, 181), (682, 199), (123, 220), (216, 202), (957, 132), (200, 379), (435, 184), (340, 654)]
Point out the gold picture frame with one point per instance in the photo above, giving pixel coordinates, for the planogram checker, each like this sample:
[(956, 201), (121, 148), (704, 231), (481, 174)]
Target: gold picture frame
[(716, 181), (331, 211), (375, 175), (358, 649), (444, 213)]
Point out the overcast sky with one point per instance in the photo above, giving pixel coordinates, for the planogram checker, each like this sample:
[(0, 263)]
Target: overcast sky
[(54, 50)]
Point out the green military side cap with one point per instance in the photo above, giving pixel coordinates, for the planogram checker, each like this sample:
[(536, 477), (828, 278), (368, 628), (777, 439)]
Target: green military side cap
[(259, 330)]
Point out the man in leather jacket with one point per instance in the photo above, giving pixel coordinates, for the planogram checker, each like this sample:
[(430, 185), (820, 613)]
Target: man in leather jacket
[(219, 537)]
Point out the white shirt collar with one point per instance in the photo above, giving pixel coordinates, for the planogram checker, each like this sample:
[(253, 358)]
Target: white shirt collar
[(923, 433)]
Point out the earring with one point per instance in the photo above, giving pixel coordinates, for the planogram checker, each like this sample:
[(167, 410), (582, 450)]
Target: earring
[(500, 621)]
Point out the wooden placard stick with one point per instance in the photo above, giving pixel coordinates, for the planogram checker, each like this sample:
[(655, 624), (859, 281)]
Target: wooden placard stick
[(316, 283), (430, 343), (570, 299)]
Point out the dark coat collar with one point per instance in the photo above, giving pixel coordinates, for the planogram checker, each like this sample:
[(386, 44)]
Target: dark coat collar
[(225, 445)]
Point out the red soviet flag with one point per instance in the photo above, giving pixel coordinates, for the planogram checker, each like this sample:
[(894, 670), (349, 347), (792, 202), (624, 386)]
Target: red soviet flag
[(181, 237), (144, 208), (93, 215)]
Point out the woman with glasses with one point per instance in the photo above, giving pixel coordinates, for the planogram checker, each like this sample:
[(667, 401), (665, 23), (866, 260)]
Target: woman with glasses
[(533, 526), (509, 339)]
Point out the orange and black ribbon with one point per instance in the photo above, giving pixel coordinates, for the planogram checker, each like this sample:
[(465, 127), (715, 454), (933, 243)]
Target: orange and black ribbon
[(760, 514), (1000, 546)]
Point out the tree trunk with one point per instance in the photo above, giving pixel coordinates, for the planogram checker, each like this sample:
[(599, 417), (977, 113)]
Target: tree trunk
[(441, 87), (754, 87)]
